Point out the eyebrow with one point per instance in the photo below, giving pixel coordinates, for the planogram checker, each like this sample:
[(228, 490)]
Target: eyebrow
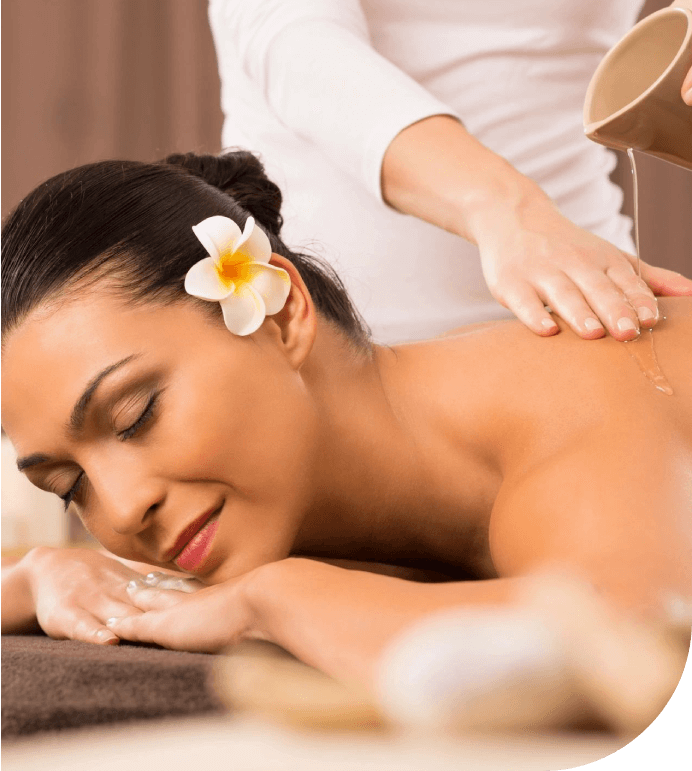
[(31, 460), (76, 421)]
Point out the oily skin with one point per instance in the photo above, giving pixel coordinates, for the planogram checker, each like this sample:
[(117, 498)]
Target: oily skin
[(287, 430)]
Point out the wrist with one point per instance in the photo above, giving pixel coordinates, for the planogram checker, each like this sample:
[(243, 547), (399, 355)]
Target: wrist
[(437, 171), (503, 201), (264, 597), (18, 606)]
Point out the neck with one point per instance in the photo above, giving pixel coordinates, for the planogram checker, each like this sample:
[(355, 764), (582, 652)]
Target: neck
[(376, 492)]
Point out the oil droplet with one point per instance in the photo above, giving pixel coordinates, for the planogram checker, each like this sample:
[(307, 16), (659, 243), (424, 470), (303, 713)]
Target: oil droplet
[(642, 348), (642, 351)]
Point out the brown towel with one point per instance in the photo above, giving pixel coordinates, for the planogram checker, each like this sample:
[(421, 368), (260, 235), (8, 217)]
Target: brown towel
[(57, 684)]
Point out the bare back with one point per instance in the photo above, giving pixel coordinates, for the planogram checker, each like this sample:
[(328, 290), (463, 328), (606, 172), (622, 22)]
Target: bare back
[(596, 463)]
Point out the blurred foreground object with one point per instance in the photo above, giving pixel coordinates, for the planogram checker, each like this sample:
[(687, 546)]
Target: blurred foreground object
[(560, 657), (263, 679)]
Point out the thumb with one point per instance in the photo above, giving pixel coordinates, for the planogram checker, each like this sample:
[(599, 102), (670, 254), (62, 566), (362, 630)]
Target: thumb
[(686, 90), (666, 283)]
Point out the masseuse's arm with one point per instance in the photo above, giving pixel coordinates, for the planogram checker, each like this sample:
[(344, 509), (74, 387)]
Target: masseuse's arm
[(312, 62), (530, 253)]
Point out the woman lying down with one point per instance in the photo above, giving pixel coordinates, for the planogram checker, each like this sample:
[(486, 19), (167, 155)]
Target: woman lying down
[(209, 402)]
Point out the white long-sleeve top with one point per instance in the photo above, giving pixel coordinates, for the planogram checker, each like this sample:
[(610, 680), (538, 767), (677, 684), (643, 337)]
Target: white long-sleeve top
[(319, 88)]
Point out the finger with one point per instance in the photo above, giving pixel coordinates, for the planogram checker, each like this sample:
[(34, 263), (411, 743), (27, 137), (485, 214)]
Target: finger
[(664, 282), (145, 627), (567, 300), (178, 582), (153, 598), (118, 609), (86, 628), (526, 305), (686, 89), (609, 301), (636, 292)]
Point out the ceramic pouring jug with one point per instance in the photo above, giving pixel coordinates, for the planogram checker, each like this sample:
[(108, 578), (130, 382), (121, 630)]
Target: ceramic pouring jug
[(634, 97)]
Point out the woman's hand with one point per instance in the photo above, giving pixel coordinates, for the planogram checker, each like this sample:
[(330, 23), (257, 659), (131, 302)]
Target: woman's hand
[(537, 257), (206, 621), (216, 616), (75, 590)]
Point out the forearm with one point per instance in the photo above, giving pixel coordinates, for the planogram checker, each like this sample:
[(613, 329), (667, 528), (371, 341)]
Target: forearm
[(18, 611), (340, 621), (437, 171)]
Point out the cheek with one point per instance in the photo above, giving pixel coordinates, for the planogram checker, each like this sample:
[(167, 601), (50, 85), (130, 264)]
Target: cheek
[(251, 427)]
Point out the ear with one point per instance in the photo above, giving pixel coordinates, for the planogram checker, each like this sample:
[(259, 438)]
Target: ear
[(297, 320)]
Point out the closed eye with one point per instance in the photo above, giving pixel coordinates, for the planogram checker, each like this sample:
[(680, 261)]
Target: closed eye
[(124, 435), (70, 494), (146, 415)]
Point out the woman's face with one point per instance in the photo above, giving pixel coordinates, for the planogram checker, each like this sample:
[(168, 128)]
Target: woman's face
[(159, 424)]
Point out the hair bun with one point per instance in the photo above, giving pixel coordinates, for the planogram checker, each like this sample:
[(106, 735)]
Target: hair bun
[(239, 174)]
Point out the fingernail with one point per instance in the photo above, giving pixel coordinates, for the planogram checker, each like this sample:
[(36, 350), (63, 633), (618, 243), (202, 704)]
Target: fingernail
[(112, 620), (548, 324), (626, 325), (645, 314), (592, 324), (134, 585), (153, 578), (105, 635)]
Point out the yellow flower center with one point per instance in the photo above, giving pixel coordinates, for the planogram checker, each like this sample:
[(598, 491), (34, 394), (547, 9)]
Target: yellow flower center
[(233, 268)]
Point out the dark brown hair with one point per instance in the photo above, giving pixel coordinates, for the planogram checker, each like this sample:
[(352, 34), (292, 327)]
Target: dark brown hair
[(134, 221)]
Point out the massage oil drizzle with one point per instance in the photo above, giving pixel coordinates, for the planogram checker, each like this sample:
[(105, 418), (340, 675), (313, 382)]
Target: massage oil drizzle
[(642, 348)]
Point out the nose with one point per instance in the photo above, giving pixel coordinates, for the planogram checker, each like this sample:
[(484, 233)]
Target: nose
[(127, 496)]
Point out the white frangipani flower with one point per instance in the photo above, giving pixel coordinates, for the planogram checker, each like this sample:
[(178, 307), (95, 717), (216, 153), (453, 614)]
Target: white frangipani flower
[(237, 274)]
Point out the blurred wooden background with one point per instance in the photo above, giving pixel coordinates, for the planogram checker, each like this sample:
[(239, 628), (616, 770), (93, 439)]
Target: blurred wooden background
[(84, 80)]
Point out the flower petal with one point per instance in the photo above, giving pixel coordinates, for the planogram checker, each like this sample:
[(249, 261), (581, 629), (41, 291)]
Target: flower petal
[(272, 283), (217, 235), (254, 242), (243, 311), (202, 280)]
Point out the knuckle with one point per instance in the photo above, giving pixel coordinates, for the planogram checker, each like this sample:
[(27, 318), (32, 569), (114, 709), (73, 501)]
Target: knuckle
[(54, 625)]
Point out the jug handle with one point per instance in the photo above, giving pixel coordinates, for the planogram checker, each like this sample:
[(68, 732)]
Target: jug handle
[(682, 4)]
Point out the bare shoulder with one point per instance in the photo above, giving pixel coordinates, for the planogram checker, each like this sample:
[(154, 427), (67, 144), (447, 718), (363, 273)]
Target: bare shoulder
[(616, 506)]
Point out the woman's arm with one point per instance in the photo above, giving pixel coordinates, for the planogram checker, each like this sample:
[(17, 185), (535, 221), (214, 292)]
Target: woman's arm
[(340, 621), (343, 622)]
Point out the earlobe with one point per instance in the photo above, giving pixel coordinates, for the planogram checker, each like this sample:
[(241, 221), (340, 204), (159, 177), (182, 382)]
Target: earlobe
[(297, 320)]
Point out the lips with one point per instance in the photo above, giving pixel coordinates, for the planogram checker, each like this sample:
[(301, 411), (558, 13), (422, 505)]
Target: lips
[(192, 534), (199, 546)]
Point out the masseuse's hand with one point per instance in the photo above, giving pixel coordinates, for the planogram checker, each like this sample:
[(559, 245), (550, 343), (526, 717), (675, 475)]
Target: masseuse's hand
[(76, 590), (686, 90), (531, 254), (538, 257)]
